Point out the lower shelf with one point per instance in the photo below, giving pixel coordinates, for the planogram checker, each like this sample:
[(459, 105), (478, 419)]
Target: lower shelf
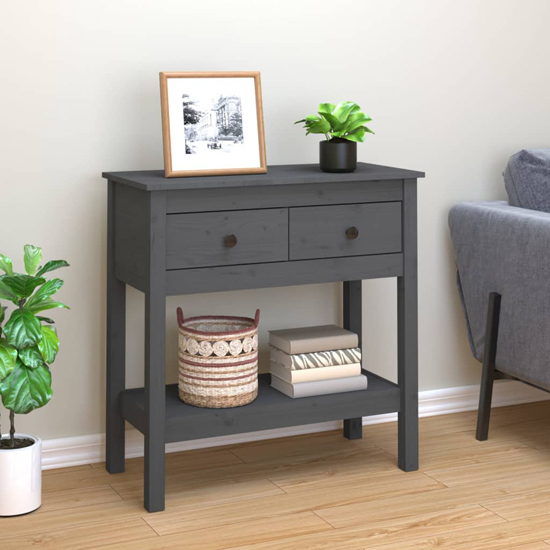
[(270, 410)]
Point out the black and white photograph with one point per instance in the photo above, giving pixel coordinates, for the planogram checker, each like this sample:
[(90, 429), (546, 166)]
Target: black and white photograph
[(212, 123)]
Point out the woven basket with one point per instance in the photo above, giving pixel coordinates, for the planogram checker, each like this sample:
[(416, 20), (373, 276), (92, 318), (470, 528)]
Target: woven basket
[(218, 360)]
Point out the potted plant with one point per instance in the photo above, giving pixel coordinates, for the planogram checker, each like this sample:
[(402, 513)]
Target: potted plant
[(343, 126), (28, 346)]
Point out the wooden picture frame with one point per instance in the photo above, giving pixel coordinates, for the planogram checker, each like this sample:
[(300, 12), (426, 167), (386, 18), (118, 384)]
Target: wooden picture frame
[(208, 123)]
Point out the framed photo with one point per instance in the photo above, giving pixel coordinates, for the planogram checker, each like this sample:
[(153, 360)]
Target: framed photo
[(212, 124)]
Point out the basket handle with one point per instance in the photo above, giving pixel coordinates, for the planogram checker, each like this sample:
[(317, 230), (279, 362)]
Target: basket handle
[(257, 318), (179, 313)]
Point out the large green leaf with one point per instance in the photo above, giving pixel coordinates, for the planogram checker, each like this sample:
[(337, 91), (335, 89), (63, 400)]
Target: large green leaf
[(44, 292), (31, 258), (32, 357), (335, 124), (345, 109), (49, 345), (326, 108), (354, 121), (6, 265), (46, 304), (6, 292), (51, 266), (23, 285), (357, 135), (26, 389), (8, 357), (23, 329), (320, 127)]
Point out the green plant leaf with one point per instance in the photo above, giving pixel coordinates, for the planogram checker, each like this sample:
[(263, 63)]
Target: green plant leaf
[(49, 345), (6, 265), (31, 258), (320, 127), (2, 313), (23, 285), (44, 292), (45, 320), (26, 389), (345, 109), (368, 130), (46, 304), (23, 329), (326, 108), (8, 358), (31, 357), (354, 121), (51, 266), (332, 120), (6, 292), (357, 135)]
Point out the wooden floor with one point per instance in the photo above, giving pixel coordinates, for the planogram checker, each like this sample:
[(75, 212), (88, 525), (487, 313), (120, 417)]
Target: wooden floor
[(316, 492)]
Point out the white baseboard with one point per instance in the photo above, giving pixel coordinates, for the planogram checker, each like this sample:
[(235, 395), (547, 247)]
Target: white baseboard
[(88, 449)]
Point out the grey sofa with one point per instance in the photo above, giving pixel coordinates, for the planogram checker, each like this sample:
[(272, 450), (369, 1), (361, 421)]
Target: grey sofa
[(503, 268)]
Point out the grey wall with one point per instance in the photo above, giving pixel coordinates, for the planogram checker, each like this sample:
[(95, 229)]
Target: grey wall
[(454, 88)]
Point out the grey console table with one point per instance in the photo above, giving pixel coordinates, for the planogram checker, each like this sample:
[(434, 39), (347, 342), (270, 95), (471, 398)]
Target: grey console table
[(294, 225)]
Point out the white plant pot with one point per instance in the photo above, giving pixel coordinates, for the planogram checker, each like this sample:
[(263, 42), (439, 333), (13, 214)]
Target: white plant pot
[(21, 478)]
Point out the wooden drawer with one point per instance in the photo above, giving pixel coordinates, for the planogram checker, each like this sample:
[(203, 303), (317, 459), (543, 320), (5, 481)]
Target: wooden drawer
[(199, 240), (322, 231)]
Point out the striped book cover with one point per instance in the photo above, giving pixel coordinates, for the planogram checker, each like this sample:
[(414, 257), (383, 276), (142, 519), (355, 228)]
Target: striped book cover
[(316, 359)]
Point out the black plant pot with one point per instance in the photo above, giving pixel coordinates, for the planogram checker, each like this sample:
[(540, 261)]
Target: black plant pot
[(338, 155)]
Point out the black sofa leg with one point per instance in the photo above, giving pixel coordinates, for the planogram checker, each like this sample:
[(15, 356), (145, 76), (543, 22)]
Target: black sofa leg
[(488, 372)]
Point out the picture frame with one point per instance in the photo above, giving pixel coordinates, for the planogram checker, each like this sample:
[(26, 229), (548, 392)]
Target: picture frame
[(212, 123)]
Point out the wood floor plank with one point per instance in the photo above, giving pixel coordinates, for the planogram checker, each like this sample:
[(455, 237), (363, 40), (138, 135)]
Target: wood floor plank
[(393, 532), (521, 506), (226, 536), (336, 495), (69, 469), (320, 444), (530, 463), (75, 498), (81, 538), (395, 507), (500, 536)]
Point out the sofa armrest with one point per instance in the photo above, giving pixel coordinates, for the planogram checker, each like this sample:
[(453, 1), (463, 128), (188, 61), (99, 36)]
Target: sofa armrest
[(504, 249)]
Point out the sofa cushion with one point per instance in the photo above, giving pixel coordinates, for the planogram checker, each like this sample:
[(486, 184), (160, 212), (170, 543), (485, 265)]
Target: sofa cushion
[(527, 179)]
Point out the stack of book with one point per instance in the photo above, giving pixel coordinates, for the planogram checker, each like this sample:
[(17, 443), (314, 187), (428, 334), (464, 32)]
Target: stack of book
[(315, 361)]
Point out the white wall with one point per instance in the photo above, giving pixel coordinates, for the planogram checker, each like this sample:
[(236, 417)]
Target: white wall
[(453, 88)]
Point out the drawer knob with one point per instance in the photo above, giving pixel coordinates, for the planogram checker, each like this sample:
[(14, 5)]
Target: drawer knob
[(352, 233), (230, 241)]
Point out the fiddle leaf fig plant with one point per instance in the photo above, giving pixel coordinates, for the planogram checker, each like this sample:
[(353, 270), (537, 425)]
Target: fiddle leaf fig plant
[(28, 342), (344, 121)]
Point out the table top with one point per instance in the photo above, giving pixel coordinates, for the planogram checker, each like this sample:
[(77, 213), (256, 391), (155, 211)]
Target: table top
[(280, 174)]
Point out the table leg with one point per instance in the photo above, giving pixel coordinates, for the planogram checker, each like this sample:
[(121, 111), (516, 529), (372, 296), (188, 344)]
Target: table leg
[(116, 349), (155, 358), (353, 427), (407, 328)]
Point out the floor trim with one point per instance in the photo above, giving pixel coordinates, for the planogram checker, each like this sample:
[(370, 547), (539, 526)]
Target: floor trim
[(88, 449)]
